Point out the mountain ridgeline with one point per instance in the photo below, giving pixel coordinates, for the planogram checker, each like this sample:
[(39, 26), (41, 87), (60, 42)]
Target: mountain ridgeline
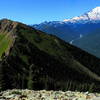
[(77, 30), (60, 29), (35, 60)]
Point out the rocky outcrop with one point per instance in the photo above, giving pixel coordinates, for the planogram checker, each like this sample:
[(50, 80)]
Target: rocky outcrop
[(47, 95)]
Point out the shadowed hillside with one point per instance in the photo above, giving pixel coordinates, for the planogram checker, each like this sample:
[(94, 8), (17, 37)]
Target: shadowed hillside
[(36, 60)]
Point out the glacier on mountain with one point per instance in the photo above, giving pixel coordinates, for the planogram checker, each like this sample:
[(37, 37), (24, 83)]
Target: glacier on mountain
[(91, 16)]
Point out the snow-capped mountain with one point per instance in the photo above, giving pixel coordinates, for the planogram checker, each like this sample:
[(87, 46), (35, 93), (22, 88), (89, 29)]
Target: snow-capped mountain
[(91, 16), (77, 28), (70, 29)]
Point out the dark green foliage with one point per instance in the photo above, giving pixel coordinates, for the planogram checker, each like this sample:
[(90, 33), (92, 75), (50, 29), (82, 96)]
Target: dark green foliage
[(2, 78), (91, 87), (30, 77), (40, 61)]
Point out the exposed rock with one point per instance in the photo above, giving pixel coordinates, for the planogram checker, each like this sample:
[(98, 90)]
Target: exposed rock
[(47, 95)]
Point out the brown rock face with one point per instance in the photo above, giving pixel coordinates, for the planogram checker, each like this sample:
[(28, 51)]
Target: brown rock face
[(7, 25)]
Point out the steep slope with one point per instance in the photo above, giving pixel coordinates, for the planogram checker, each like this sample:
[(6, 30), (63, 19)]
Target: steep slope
[(90, 43), (40, 61), (6, 35)]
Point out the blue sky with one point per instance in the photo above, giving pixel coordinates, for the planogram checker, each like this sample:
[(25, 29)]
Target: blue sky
[(37, 11)]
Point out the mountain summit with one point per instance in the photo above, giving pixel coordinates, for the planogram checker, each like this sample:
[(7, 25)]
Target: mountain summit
[(93, 15)]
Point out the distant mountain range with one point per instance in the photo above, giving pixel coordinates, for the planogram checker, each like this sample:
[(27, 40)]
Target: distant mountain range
[(35, 60), (73, 29), (60, 29)]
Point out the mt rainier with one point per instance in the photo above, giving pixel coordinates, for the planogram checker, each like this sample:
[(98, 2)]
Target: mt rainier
[(77, 28), (93, 16)]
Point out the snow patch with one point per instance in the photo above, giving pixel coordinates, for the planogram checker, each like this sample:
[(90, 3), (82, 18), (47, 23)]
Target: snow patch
[(93, 15)]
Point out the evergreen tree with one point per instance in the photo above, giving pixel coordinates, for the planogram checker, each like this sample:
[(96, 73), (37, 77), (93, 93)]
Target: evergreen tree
[(30, 77), (91, 88)]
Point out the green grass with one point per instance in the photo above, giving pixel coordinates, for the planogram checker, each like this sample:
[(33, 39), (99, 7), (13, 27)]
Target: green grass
[(5, 43), (2, 36)]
